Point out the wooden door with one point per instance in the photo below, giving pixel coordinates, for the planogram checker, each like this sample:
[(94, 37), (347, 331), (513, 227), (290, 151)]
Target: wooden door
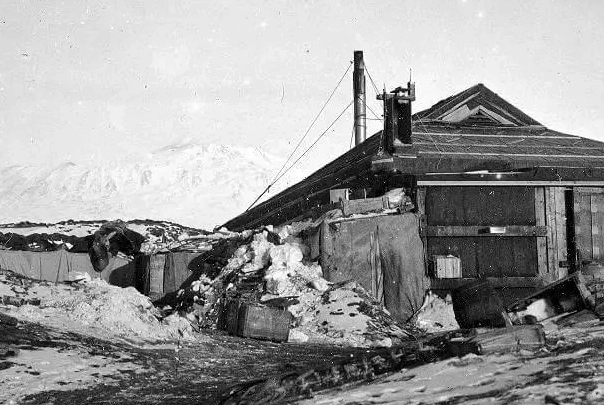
[(589, 223), (463, 221)]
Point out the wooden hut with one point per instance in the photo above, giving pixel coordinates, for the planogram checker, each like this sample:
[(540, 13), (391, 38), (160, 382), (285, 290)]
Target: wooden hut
[(514, 201)]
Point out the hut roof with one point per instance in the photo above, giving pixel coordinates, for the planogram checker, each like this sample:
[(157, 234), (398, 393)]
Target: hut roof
[(474, 130)]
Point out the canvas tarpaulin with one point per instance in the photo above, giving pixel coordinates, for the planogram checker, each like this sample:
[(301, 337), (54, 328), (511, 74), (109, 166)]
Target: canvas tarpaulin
[(384, 254), (56, 266), (166, 273)]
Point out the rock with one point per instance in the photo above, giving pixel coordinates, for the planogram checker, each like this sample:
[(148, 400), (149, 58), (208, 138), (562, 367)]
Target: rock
[(12, 300), (8, 351), (297, 337), (597, 394), (8, 320)]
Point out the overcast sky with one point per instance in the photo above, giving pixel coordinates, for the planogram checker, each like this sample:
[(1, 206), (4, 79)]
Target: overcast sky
[(107, 79)]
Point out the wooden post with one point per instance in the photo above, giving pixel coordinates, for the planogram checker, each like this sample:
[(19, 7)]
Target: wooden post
[(561, 239), (550, 220), (540, 221)]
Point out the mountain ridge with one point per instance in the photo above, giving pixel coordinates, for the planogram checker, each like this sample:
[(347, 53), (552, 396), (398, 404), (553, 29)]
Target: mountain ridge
[(198, 185)]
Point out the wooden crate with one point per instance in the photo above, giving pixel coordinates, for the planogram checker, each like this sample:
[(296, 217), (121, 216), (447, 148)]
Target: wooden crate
[(447, 266), (260, 322), (156, 276), (502, 340), (364, 205)]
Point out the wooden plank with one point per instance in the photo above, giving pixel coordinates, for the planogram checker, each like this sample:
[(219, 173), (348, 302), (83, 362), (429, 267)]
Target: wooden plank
[(583, 235), (496, 282), (485, 231), (506, 183), (567, 286), (157, 264), (420, 196), (421, 200), (488, 257), (487, 206), (561, 239), (540, 221), (550, 221), (597, 226), (590, 190), (338, 194), (363, 205), (464, 248)]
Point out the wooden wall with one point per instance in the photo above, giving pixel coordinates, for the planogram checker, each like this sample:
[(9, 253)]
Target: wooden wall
[(513, 235), (589, 222), (458, 220)]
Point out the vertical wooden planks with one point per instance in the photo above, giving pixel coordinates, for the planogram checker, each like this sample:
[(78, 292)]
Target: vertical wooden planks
[(583, 228), (561, 240), (421, 200), (420, 195), (597, 225), (555, 218), (540, 221), (550, 221), (157, 264)]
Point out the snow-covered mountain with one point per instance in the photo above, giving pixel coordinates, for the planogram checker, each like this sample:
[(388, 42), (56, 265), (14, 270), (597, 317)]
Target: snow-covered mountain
[(192, 184)]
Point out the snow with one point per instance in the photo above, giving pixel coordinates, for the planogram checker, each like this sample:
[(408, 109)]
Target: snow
[(96, 308), (193, 184), (342, 314), (91, 308), (160, 236), (46, 369), (563, 372)]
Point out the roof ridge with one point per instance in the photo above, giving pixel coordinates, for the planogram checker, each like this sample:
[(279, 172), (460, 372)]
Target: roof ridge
[(474, 94)]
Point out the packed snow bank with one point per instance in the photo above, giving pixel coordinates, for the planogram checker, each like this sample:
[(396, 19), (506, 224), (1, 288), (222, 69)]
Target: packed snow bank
[(270, 267), (346, 315), (94, 307)]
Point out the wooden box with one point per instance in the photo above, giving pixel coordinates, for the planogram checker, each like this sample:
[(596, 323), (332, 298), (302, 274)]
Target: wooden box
[(502, 340), (447, 266), (339, 194), (155, 288), (364, 205), (260, 322)]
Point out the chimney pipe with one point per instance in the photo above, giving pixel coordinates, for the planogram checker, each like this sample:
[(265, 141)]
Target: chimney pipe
[(358, 84)]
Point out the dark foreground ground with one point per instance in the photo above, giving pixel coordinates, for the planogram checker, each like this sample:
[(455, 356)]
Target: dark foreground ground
[(569, 370), (196, 374)]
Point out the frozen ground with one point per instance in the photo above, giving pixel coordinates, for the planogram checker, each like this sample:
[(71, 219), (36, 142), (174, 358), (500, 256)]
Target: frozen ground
[(89, 342), (72, 353), (60, 367), (570, 370)]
